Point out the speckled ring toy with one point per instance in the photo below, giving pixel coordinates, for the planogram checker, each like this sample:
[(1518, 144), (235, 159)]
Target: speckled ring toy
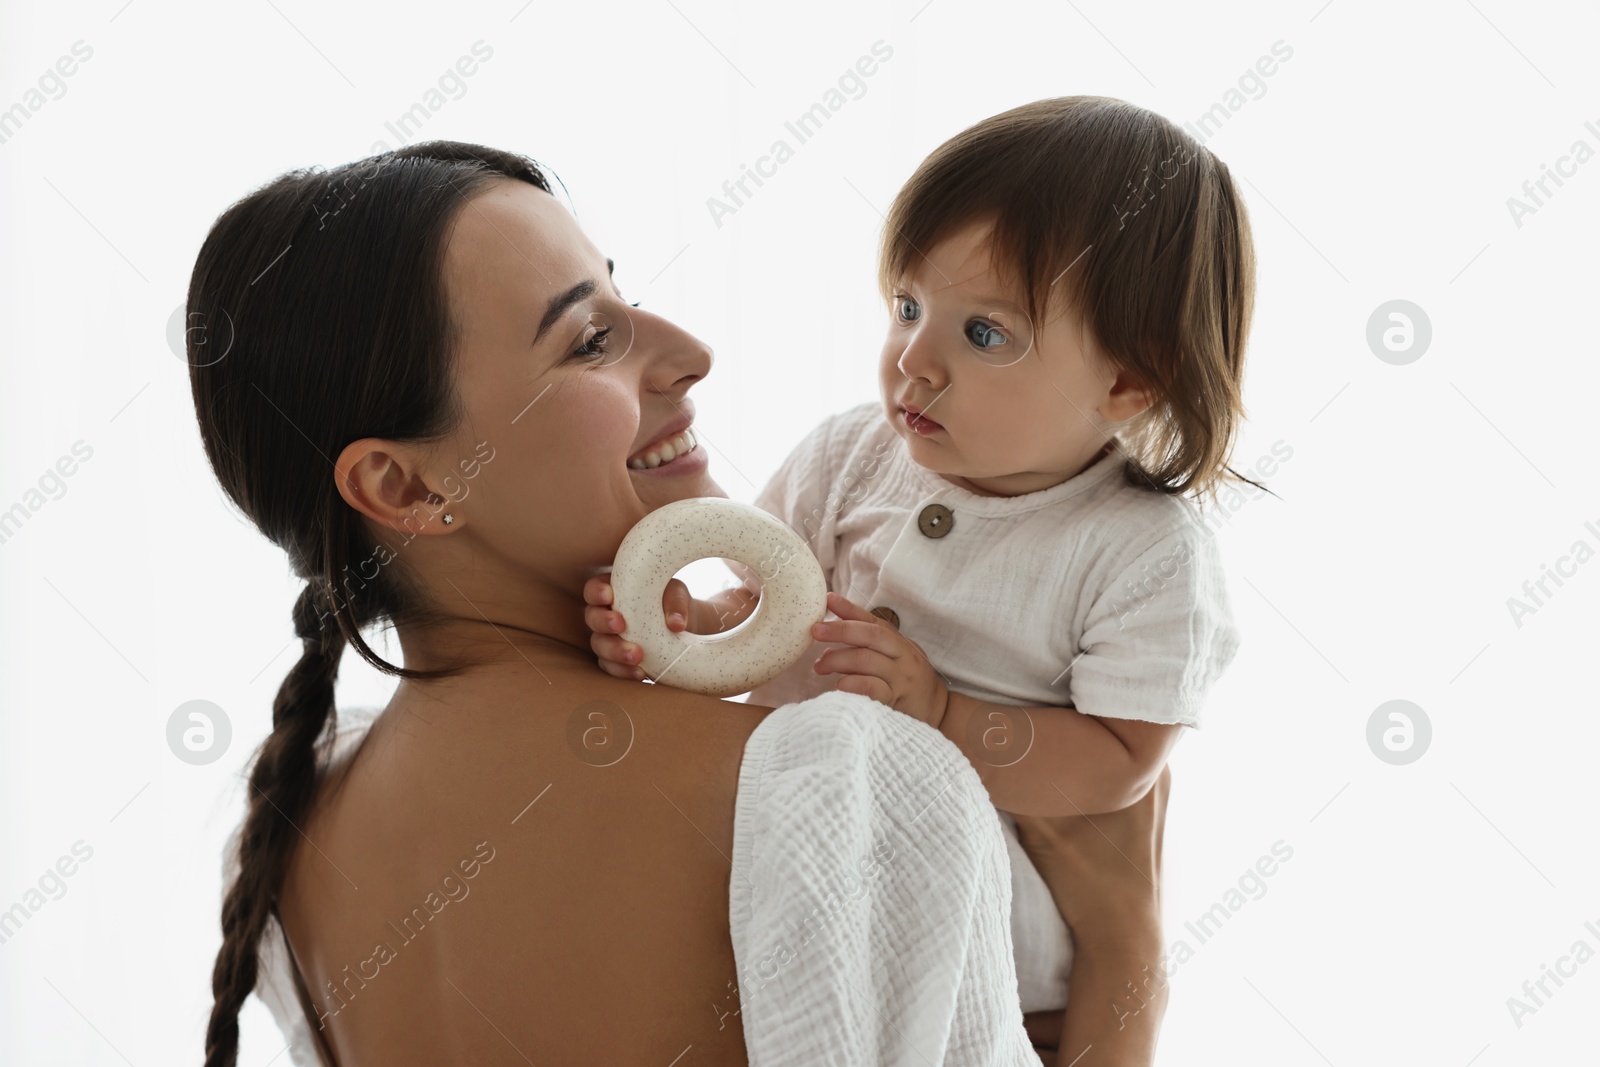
[(794, 594)]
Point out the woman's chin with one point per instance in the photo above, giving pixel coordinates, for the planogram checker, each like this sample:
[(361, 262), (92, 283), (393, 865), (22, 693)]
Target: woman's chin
[(686, 476)]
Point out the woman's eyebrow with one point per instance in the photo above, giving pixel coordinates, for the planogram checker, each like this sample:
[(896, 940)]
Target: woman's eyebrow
[(559, 305)]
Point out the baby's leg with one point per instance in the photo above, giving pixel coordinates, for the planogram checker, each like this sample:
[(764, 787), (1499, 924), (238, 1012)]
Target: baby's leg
[(1104, 872)]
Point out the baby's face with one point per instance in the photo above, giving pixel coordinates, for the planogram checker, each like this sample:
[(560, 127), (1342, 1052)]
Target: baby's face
[(1011, 406)]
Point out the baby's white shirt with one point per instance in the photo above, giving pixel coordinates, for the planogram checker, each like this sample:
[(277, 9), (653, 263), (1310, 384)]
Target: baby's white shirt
[(1093, 594)]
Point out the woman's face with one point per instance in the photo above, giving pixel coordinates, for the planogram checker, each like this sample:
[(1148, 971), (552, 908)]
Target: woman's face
[(563, 383)]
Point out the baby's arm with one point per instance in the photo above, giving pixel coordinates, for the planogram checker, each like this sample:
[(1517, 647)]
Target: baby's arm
[(1076, 764)]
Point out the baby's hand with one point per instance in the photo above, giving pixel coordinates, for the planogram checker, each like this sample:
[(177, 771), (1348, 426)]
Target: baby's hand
[(882, 663), (617, 657)]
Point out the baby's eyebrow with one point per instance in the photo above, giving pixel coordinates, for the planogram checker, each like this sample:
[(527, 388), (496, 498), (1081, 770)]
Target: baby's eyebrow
[(1008, 299), (991, 298), (948, 284)]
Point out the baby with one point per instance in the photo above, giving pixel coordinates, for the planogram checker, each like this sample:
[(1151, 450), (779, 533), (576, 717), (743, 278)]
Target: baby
[(1011, 534)]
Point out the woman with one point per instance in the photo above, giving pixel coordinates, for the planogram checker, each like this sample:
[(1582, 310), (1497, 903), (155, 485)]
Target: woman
[(428, 398)]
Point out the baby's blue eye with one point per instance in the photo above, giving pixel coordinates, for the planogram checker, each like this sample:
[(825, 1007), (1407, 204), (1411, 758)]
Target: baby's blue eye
[(984, 335), (907, 309)]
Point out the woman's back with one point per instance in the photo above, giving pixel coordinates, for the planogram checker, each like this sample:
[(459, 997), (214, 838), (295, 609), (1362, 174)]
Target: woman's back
[(484, 883)]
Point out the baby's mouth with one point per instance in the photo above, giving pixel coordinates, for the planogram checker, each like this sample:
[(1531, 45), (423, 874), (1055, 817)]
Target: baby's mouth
[(663, 451), (919, 423)]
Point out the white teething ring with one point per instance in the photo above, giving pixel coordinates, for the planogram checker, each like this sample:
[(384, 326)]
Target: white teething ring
[(794, 594)]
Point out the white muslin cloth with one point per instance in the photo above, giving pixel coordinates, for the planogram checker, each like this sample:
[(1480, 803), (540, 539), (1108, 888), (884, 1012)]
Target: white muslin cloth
[(870, 895)]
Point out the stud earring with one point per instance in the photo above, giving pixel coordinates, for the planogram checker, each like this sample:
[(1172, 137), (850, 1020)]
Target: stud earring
[(449, 518)]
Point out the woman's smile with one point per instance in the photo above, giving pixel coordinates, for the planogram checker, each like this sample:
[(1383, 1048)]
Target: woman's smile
[(679, 454)]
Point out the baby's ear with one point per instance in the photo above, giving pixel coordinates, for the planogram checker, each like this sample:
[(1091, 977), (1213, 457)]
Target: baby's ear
[(1129, 395)]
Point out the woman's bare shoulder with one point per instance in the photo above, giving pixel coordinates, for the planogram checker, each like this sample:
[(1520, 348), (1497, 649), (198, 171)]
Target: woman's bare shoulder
[(596, 817), (589, 741)]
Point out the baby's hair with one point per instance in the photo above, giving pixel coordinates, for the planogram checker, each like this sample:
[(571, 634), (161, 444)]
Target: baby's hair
[(1110, 209)]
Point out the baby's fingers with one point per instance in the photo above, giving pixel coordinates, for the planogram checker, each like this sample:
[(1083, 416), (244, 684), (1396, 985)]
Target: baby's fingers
[(675, 602), (604, 620), (875, 635), (597, 590), (617, 657)]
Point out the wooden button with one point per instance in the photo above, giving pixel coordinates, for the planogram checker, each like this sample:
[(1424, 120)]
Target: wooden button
[(936, 520), (888, 615)]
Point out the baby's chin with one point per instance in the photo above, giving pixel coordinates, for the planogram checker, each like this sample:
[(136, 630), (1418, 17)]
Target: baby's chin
[(937, 454), (947, 462)]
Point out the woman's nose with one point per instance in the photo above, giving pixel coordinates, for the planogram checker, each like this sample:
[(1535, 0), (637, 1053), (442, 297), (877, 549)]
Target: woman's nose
[(677, 358)]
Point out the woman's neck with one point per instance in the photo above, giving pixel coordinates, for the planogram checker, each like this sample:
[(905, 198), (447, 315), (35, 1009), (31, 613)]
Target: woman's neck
[(490, 640)]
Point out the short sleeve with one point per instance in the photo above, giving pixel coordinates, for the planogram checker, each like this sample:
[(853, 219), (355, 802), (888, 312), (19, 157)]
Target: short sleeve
[(1159, 636)]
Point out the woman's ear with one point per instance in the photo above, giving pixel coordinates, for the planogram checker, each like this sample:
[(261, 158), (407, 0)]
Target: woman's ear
[(383, 480)]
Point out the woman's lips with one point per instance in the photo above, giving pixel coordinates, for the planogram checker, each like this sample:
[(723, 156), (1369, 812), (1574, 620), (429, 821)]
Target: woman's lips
[(920, 423), (690, 462)]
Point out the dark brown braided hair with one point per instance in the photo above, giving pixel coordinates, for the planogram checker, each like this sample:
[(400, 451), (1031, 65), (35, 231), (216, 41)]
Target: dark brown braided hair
[(317, 316)]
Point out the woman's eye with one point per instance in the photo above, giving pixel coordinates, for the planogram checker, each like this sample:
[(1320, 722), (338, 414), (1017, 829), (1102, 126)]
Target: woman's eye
[(594, 347), (984, 335), (907, 309)]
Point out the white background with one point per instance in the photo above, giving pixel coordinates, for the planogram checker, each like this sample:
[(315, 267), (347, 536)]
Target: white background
[(1376, 165)]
